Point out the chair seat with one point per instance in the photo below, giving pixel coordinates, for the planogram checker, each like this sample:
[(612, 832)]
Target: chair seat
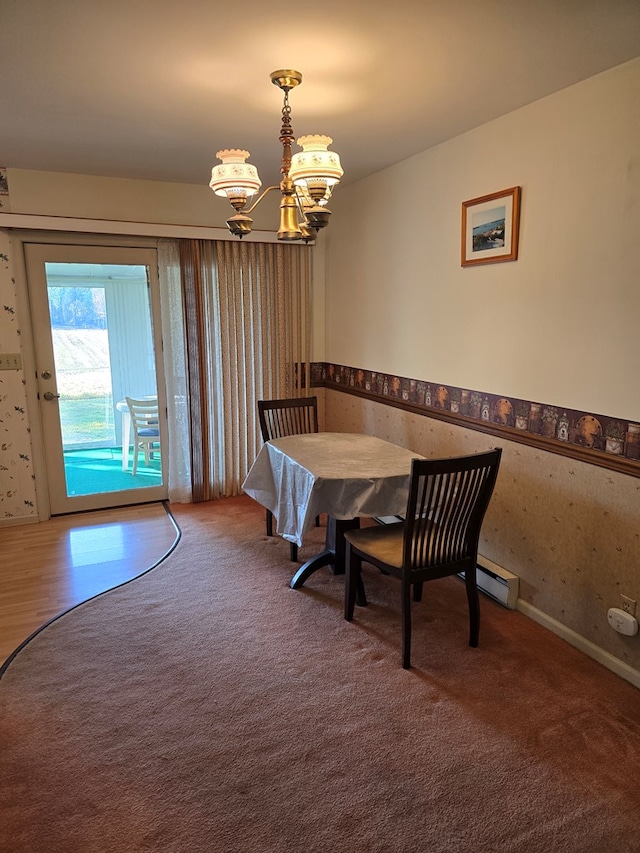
[(149, 432), (384, 543)]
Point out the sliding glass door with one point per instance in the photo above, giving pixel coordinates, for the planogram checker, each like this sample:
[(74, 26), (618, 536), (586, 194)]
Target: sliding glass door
[(97, 343)]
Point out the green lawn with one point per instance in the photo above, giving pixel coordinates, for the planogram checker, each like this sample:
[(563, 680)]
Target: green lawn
[(83, 374), (87, 421)]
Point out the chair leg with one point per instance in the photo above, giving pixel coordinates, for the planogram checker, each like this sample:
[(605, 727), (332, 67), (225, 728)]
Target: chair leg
[(135, 459), (361, 595), (417, 591), (473, 598), (353, 572), (406, 626), (293, 548)]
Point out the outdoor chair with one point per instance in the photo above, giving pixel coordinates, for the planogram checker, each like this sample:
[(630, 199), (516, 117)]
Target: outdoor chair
[(145, 428), (448, 499)]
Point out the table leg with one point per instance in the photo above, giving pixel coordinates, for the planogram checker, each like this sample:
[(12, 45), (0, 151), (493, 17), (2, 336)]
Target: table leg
[(333, 555)]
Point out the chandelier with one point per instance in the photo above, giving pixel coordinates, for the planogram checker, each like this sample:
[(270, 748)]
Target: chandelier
[(308, 178)]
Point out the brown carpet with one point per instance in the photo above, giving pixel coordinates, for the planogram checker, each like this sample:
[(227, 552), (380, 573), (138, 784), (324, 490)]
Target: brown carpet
[(207, 707)]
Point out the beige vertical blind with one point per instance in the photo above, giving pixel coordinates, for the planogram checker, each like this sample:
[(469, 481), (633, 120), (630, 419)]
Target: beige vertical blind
[(247, 310)]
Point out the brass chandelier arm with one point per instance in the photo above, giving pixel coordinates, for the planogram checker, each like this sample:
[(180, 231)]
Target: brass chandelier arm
[(259, 199)]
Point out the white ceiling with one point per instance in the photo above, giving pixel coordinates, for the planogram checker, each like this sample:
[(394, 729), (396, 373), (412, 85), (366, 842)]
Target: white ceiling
[(153, 88)]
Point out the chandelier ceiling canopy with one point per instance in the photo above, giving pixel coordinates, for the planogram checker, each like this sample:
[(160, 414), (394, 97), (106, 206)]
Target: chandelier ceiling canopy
[(308, 177)]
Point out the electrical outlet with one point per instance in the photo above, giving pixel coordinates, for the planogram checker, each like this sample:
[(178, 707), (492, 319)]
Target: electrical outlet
[(628, 605)]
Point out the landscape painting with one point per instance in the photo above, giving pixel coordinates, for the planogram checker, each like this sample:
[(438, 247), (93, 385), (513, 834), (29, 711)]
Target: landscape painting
[(490, 226), (487, 229)]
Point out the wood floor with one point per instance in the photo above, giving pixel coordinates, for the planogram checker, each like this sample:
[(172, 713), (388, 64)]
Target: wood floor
[(51, 566)]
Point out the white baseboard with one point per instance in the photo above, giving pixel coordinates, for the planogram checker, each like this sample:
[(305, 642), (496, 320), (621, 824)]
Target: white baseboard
[(579, 642)]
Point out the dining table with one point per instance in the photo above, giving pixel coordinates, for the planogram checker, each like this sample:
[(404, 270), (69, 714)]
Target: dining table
[(345, 475)]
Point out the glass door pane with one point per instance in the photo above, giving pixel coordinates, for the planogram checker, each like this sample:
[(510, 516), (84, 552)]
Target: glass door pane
[(103, 352)]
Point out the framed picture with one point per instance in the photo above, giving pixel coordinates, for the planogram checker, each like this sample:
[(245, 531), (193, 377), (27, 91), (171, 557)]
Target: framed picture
[(490, 228), (4, 191)]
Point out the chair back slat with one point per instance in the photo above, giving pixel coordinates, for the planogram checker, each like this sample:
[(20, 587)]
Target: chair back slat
[(447, 503), (143, 412), (280, 418)]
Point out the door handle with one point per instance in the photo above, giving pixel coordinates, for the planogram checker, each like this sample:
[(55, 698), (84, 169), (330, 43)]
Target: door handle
[(49, 395)]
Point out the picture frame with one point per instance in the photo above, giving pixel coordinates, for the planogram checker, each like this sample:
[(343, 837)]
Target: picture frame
[(4, 191), (490, 228)]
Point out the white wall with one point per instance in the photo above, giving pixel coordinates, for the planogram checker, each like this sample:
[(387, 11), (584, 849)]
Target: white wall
[(89, 196), (560, 324)]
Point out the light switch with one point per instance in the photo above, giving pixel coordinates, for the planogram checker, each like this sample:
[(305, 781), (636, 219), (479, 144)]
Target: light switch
[(10, 361)]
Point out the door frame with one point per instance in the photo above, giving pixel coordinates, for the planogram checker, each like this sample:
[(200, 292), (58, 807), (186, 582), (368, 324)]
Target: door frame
[(85, 240)]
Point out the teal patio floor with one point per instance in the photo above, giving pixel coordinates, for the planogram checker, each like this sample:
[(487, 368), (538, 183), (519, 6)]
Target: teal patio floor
[(99, 470)]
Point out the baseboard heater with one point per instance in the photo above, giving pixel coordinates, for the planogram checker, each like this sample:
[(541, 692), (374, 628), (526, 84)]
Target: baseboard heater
[(493, 580), (496, 582)]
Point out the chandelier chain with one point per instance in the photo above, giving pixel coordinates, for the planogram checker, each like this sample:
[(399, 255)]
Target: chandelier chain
[(286, 136)]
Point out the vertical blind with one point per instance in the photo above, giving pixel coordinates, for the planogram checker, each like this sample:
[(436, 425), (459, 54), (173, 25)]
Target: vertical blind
[(247, 321)]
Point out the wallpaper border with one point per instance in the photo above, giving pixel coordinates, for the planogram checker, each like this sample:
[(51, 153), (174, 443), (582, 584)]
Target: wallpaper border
[(596, 439)]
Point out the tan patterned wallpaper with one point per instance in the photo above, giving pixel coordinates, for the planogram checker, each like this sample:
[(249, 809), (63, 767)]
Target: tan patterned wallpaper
[(568, 529), (17, 484)]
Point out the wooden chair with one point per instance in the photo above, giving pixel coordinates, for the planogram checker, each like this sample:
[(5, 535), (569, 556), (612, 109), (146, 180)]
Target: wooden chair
[(448, 499), (279, 418), (145, 428)]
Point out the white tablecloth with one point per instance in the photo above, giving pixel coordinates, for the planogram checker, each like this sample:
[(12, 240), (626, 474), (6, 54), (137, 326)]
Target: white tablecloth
[(343, 474)]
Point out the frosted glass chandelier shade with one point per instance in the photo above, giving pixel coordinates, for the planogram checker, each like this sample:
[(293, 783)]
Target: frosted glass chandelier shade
[(234, 178), (315, 163)]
